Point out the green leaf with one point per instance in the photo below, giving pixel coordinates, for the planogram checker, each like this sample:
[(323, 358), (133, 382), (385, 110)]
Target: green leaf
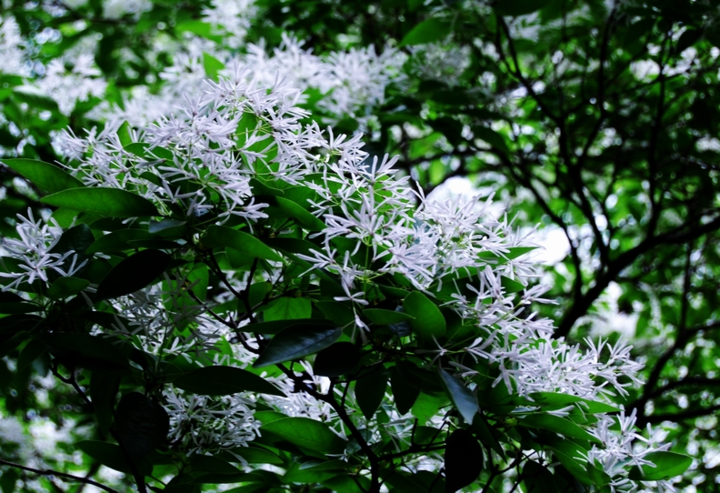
[(426, 406), (256, 455), (32, 351), (336, 360), (538, 479), (307, 433), (124, 134), (47, 177), (463, 460), (510, 285), (516, 8), (103, 390), (296, 342), (142, 424), (370, 392), (117, 241), (64, 287), (133, 274), (93, 352), (301, 215), (287, 308), (386, 317), (224, 380), (428, 31), (552, 401), (108, 202), (428, 321), (491, 137), (556, 424), (214, 465), (222, 236), (212, 65), (8, 480), (276, 326), (111, 455), (571, 456), (404, 394), (464, 400), (668, 465)]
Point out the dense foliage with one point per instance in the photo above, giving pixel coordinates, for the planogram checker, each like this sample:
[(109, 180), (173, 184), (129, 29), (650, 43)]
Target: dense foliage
[(231, 292)]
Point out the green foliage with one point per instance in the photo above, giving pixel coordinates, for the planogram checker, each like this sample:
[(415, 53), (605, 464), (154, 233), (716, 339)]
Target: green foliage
[(552, 112)]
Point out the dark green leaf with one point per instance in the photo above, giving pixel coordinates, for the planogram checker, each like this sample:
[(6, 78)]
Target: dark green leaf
[(108, 202), (287, 308), (428, 320), (515, 8), (103, 389), (8, 480), (668, 465), (370, 392), (222, 236), (64, 287), (428, 31), (32, 350), (133, 274), (404, 394), (142, 424), (301, 215), (463, 460), (386, 317), (209, 464), (306, 433), (117, 241), (111, 455), (224, 380), (276, 326), (552, 401), (556, 424), (47, 177), (336, 360), (571, 456), (464, 400), (93, 352), (296, 342)]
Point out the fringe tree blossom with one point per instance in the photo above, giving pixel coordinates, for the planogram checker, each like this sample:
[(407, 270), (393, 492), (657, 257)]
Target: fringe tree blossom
[(282, 254)]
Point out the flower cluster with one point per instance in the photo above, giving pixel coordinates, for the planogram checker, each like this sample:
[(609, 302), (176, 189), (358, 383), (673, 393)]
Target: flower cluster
[(220, 160)]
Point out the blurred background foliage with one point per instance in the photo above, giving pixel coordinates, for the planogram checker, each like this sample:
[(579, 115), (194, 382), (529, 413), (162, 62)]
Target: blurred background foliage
[(596, 121)]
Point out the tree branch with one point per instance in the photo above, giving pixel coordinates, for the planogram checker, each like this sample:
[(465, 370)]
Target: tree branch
[(50, 472)]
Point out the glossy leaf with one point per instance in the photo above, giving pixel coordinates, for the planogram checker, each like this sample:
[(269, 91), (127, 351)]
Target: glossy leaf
[(301, 215), (224, 380), (428, 321), (306, 433), (429, 31), (461, 396), (287, 308), (47, 177), (297, 342), (386, 317), (106, 202), (222, 236), (556, 424), (667, 466), (133, 274)]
